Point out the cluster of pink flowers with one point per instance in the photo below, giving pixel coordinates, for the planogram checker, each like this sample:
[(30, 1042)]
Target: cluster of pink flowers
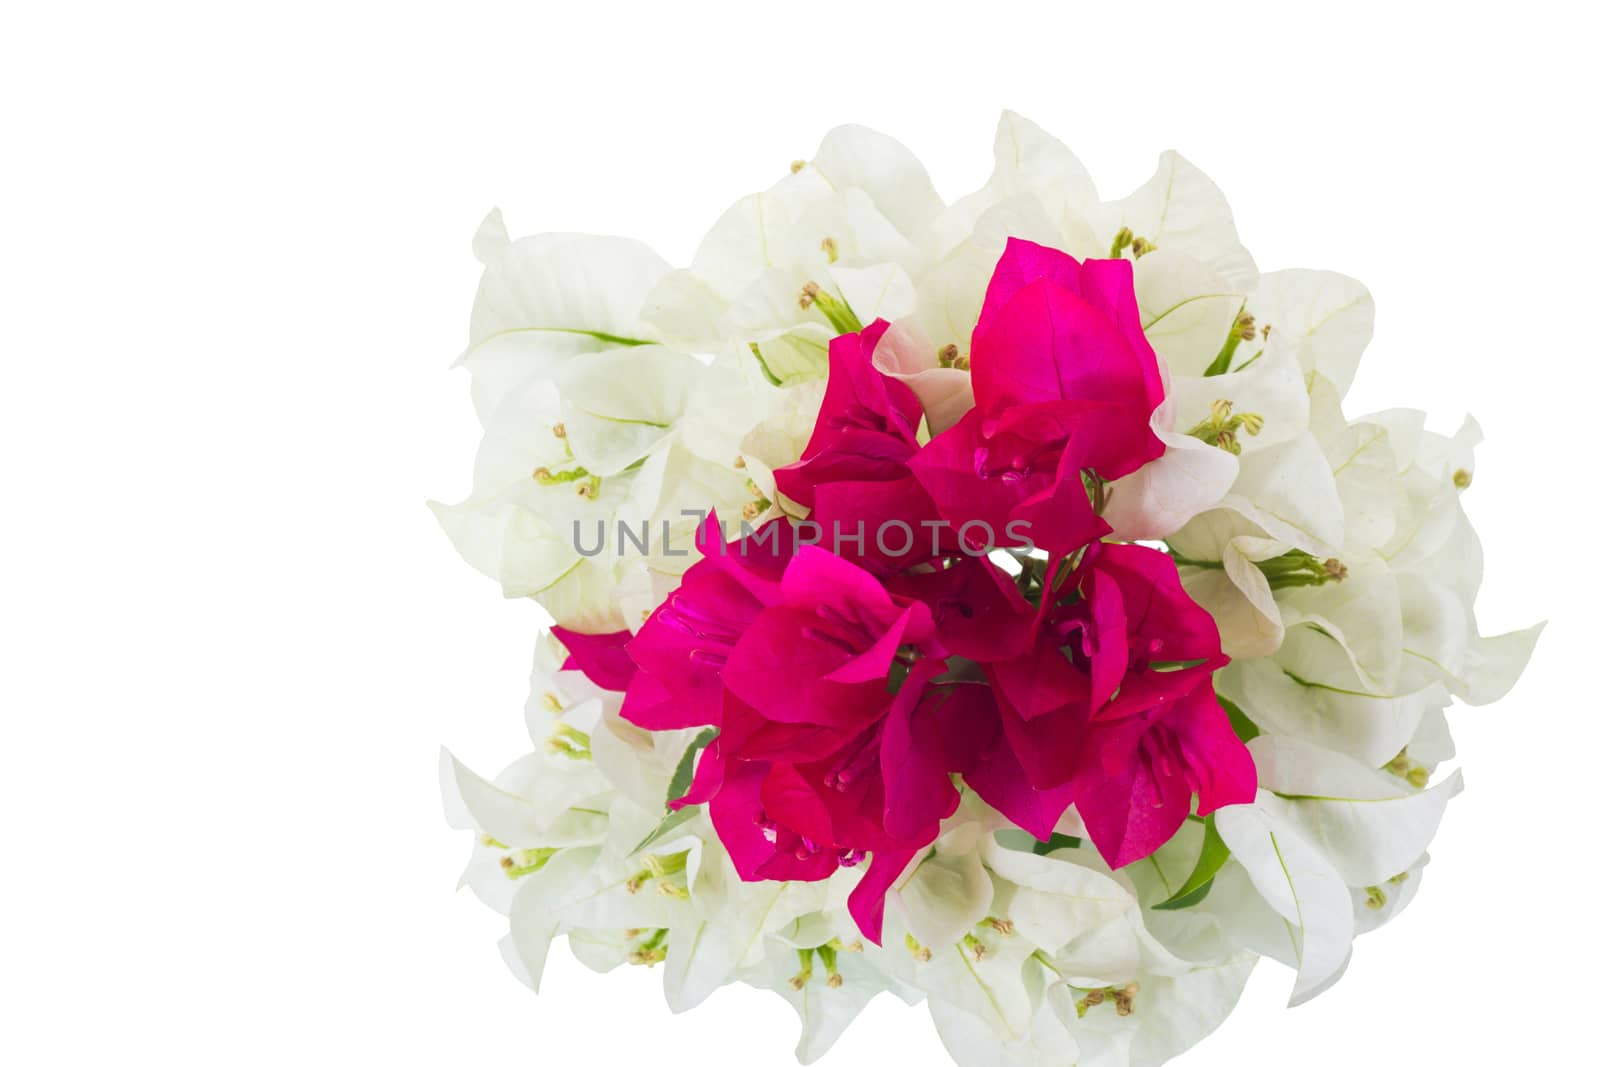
[(849, 687)]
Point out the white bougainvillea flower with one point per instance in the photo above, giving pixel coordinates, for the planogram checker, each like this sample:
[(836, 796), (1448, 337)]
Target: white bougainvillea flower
[(1331, 848), (1051, 900), (569, 459), (1046, 1041), (1327, 317), (545, 299), (1180, 209), (1438, 563), (841, 982), (1160, 498), (1187, 308), (1371, 825), (1221, 549), (1170, 1015), (1336, 678), (1308, 921), (1028, 164), (849, 221), (949, 892)]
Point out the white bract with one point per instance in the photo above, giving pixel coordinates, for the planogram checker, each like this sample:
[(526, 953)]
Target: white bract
[(1333, 552)]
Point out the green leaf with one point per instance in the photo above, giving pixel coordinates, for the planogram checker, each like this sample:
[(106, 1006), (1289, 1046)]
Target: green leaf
[(1247, 730), (1214, 852), (673, 820), (1056, 843), (683, 775)]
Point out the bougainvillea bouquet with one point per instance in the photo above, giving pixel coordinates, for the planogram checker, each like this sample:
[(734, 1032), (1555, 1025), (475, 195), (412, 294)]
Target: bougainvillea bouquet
[(990, 604)]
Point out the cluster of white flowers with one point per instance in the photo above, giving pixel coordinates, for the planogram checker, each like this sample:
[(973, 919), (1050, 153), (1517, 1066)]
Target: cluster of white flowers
[(1333, 552)]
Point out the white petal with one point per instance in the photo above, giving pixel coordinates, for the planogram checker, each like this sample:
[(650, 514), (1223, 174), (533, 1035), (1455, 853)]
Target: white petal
[(704, 955), (683, 311), (618, 405), (1047, 1043), (947, 895), (1055, 899), (1288, 490), (905, 352), (883, 168), (1160, 497), (825, 1012), (1371, 729), (1028, 162), (1171, 1015), (1495, 663), (1240, 599), (740, 245), (1299, 883), (1328, 316), (1182, 209), (491, 241), (1346, 634), (1187, 309), (879, 292), (992, 989), (1396, 895), (1293, 767), (536, 909), (1365, 469), (1368, 841), (567, 290), (1271, 387), (472, 803)]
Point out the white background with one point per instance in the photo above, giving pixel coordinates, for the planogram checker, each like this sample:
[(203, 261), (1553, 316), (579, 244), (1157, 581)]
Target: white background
[(236, 270)]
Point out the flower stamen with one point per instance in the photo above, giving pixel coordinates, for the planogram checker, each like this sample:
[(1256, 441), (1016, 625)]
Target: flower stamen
[(798, 982), (569, 741)]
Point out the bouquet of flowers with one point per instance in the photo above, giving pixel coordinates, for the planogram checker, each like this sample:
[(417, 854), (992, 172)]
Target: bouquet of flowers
[(989, 604)]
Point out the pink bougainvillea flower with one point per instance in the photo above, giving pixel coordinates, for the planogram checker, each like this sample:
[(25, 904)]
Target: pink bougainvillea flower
[(1063, 381), (866, 428), (1121, 637), (853, 474), (1056, 329), (1141, 773), (977, 608), (833, 743), (825, 652), (1111, 706), (992, 771), (682, 648)]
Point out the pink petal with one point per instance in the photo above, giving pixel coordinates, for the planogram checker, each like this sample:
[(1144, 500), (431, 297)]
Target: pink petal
[(1000, 780), (866, 901), (1217, 759), (1132, 813), (603, 658), (915, 758), (789, 799)]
